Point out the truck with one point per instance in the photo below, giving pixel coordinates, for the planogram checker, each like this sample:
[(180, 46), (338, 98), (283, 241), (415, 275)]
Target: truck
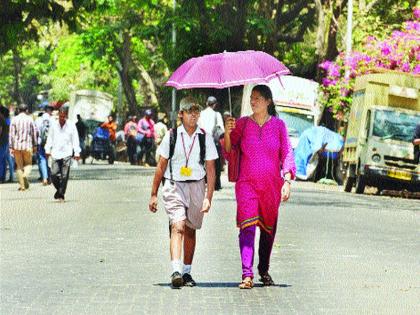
[(94, 108), (296, 103), (90, 105), (378, 148)]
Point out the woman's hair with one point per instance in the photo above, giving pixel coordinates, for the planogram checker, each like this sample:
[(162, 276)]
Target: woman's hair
[(265, 92)]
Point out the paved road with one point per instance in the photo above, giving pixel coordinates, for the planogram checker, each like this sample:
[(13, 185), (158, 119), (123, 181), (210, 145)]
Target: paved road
[(102, 252)]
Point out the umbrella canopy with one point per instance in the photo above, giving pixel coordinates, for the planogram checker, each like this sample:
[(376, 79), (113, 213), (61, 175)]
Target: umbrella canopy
[(227, 69)]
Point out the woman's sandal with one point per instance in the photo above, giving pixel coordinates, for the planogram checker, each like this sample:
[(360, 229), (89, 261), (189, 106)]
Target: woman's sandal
[(266, 279), (246, 283)]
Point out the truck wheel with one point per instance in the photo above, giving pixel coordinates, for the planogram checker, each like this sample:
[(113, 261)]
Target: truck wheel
[(360, 184), (348, 184)]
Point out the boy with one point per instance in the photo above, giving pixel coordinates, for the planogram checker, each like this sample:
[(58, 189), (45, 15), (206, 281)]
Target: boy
[(191, 155)]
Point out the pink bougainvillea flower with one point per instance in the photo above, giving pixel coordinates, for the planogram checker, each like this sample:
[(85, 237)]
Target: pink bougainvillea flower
[(416, 13)]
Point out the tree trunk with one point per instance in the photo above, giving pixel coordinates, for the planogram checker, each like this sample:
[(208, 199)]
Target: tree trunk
[(148, 87), (17, 69), (124, 56), (239, 26), (320, 33), (332, 50)]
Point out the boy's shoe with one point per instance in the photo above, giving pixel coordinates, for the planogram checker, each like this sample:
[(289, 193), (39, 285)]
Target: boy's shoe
[(188, 280), (26, 182), (176, 280)]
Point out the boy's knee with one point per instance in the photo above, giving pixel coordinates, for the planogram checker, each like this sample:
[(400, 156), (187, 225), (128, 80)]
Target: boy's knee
[(178, 227)]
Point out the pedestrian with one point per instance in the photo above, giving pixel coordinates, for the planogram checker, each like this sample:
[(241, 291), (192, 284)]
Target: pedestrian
[(130, 131), (62, 141), (161, 129), (81, 131), (146, 134), (212, 122), (187, 155), (8, 158), (23, 137), (4, 135), (43, 123), (266, 169), (111, 126), (416, 143)]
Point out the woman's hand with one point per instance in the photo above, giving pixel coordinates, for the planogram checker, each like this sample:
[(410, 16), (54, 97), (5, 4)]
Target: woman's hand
[(229, 125), (285, 191)]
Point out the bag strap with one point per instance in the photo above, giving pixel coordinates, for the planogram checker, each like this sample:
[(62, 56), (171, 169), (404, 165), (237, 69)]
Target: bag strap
[(242, 131), (172, 141), (173, 133), (202, 141)]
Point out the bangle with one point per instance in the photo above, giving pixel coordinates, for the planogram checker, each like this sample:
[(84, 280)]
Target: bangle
[(288, 181)]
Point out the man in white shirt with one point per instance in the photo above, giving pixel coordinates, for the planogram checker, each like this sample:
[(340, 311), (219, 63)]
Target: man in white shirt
[(185, 197), (212, 122), (62, 141)]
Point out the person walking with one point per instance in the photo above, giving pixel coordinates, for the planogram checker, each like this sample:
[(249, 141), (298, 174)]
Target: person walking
[(130, 132), (43, 124), (8, 158), (266, 169), (81, 131), (4, 140), (212, 122), (23, 136), (146, 131), (111, 126), (62, 141), (161, 129), (190, 153)]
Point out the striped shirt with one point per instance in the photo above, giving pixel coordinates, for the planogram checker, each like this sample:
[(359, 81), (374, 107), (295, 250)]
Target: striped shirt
[(23, 132)]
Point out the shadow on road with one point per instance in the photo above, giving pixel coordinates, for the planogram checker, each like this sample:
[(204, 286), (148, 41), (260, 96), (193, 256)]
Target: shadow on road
[(224, 285)]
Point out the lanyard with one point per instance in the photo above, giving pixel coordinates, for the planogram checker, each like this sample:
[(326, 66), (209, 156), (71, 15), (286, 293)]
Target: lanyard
[(187, 157)]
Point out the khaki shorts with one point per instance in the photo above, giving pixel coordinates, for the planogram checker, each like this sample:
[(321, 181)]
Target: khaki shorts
[(23, 158), (183, 201)]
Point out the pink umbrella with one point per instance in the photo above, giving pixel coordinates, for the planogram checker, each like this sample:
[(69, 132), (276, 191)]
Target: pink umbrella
[(227, 69)]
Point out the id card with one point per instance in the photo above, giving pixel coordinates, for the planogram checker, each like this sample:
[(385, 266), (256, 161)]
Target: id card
[(186, 171)]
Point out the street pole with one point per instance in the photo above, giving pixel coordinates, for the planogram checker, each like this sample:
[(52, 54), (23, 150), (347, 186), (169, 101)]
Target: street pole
[(348, 37), (173, 111)]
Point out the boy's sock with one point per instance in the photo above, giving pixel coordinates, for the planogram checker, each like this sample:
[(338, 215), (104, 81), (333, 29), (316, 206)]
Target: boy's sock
[(187, 269), (177, 265)]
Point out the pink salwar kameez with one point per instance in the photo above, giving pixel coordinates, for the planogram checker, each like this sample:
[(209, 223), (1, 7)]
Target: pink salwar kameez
[(266, 154)]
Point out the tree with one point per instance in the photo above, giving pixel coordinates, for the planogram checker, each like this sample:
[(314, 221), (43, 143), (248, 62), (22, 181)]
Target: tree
[(215, 26), (398, 51), (20, 19), (118, 33)]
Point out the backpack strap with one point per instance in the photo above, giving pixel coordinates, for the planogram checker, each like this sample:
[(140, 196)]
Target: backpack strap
[(173, 133), (202, 141)]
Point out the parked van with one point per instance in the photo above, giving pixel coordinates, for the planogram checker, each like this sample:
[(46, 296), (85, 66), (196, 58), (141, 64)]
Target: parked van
[(378, 149)]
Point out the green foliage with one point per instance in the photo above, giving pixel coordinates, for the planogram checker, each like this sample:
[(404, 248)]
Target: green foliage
[(6, 78)]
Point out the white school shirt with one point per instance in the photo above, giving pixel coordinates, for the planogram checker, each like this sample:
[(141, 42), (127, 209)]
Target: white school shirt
[(62, 141), (208, 118), (179, 159)]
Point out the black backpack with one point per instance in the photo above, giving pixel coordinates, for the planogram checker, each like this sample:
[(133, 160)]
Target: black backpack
[(173, 133)]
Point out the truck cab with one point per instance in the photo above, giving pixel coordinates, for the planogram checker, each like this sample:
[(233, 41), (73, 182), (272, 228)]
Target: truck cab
[(378, 149)]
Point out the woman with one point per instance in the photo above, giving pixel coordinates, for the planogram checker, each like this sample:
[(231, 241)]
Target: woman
[(266, 169)]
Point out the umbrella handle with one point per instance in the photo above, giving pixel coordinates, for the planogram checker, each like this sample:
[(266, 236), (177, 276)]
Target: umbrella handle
[(230, 102)]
